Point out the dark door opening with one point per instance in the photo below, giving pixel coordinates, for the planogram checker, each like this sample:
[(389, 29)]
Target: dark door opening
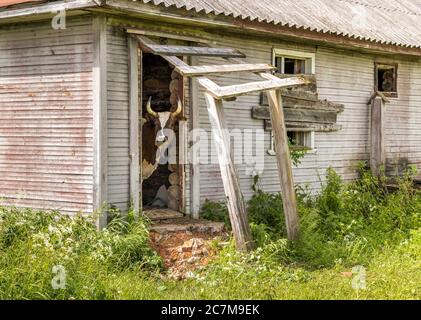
[(161, 187)]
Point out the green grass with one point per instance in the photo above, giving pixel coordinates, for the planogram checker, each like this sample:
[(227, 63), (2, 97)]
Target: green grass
[(346, 225)]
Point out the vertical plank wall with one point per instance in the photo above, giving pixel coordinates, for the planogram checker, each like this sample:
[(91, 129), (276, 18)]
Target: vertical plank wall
[(46, 153), (118, 119)]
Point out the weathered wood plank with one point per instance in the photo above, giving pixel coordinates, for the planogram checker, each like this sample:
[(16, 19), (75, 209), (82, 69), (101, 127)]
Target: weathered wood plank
[(100, 116), (195, 71), (284, 164), (174, 50), (134, 124), (377, 152), (298, 115), (306, 127), (166, 35), (235, 199), (251, 87)]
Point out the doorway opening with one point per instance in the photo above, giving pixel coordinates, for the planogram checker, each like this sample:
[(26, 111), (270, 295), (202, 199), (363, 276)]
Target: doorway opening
[(162, 87)]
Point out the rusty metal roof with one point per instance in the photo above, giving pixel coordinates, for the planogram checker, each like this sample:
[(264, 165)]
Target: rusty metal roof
[(384, 21)]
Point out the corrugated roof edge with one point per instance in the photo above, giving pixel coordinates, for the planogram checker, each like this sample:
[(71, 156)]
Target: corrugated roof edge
[(286, 24)]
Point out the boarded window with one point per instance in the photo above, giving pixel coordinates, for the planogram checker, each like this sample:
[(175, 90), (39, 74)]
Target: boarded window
[(386, 76)]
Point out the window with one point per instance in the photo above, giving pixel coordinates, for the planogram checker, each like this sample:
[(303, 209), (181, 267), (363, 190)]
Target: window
[(294, 62), (300, 140), (386, 76)]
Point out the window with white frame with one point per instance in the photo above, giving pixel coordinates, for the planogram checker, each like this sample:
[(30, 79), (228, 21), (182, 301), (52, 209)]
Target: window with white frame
[(299, 141), (295, 62)]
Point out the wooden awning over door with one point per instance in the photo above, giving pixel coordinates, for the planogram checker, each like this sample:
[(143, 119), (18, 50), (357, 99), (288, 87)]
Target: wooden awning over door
[(214, 96)]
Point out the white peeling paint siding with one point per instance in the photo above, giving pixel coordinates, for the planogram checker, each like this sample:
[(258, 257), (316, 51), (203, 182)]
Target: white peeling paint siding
[(118, 119), (46, 150)]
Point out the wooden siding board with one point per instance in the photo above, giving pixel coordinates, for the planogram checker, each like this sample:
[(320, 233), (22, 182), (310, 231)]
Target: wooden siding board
[(118, 119), (46, 154)]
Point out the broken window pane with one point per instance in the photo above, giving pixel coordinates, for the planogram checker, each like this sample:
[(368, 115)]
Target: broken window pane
[(386, 78)]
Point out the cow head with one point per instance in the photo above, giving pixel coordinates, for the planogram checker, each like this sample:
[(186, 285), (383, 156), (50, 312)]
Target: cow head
[(154, 140), (163, 120)]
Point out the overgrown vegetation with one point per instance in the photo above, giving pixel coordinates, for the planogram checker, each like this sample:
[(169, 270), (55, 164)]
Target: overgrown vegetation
[(33, 242), (345, 225)]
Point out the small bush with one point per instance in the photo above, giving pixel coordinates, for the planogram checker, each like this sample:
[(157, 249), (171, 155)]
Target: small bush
[(216, 211)]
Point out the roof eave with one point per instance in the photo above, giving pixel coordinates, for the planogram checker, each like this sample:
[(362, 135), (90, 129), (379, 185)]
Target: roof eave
[(180, 16), (32, 9)]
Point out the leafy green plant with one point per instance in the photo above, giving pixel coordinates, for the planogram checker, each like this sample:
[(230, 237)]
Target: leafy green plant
[(216, 211)]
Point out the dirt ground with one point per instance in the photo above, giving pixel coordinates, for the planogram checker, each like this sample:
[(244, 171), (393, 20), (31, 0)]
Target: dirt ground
[(185, 252)]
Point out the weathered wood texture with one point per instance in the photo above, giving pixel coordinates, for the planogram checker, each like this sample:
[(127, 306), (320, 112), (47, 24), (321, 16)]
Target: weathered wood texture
[(195, 71), (284, 164), (46, 116), (134, 112), (176, 50), (235, 200), (99, 105), (232, 91), (118, 119), (377, 150), (298, 115)]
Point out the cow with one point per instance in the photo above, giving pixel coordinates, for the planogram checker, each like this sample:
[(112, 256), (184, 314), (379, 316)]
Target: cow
[(153, 125)]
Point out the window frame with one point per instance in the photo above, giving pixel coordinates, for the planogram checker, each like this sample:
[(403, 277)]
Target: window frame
[(389, 94), (310, 66), (309, 57), (310, 139)]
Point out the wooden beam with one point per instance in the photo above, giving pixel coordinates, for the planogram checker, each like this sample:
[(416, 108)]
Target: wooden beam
[(306, 127), (242, 89), (298, 115), (167, 35), (377, 152), (284, 164), (195, 166), (251, 87), (222, 69), (174, 50), (235, 199), (100, 119), (134, 112)]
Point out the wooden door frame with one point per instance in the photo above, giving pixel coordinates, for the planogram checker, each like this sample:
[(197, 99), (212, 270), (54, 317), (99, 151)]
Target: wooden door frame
[(135, 112)]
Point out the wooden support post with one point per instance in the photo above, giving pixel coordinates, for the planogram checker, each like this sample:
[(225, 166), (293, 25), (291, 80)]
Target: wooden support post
[(377, 153), (284, 163), (134, 112), (100, 118), (235, 199)]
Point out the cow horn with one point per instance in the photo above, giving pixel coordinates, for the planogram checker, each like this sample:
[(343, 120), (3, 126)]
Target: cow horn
[(149, 109), (179, 108)]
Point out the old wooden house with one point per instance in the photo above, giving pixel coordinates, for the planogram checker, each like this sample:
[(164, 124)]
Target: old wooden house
[(76, 76)]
